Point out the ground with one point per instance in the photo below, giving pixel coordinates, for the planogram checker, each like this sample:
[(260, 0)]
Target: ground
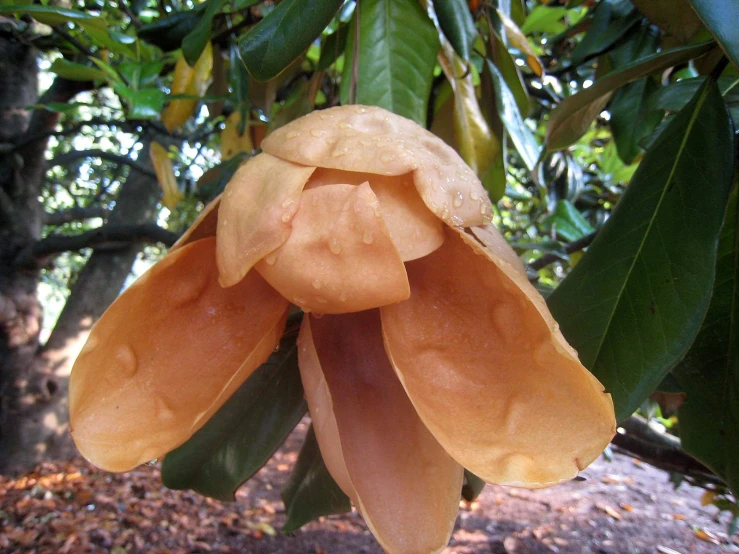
[(621, 506)]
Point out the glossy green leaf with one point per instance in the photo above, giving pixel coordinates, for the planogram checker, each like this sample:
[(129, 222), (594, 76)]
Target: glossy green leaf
[(568, 222), (721, 17), (239, 439), (75, 71), (332, 46), (139, 74), (146, 103), (167, 33), (709, 373), (472, 486), (604, 31), (635, 302), (675, 96), (631, 120), (521, 136), (311, 492), (395, 67), (239, 83), (103, 38), (56, 15), (194, 43), (457, 25), (285, 33), (573, 116), (506, 65)]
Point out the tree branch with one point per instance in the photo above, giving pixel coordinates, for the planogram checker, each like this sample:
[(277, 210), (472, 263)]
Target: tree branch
[(56, 244), (74, 214), (63, 159), (71, 130), (661, 450), (575, 246)]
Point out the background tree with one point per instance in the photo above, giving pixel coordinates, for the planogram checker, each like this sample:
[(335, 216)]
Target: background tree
[(564, 110)]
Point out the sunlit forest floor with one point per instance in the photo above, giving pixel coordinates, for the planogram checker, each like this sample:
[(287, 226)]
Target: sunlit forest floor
[(621, 506)]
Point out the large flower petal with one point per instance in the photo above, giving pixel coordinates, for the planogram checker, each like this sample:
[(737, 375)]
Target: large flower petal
[(489, 372), (403, 482), (339, 257), (415, 231), (256, 211), (372, 140), (166, 355), (203, 227)]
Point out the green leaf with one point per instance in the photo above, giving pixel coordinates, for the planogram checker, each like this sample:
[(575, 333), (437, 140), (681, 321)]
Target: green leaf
[(239, 439), (168, 33), (472, 486), (284, 34), (573, 116), (512, 76), (457, 25), (194, 43), (568, 222), (721, 19), (544, 19), (239, 82), (631, 119), (604, 31), (709, 373), (674, 16), (311, 492), (76, 71), (332, 46), (54, 15), (395, 69), (146, 103), (635, 302), (675, 96), (521, 136), (139, 74)]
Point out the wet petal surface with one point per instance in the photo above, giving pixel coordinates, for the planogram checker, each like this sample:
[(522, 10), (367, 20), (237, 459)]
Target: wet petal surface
[(490, 374), (405, 485), (339, 257), (166, 355), (372, 140), (255, 217)]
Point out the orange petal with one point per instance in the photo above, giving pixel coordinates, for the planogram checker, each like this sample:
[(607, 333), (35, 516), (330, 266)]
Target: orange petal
[(339, 257), (204, 226), (372, 140), (415, 231), (403, 482), (257, 207), (488, 370), (499, 248), (166, 355)]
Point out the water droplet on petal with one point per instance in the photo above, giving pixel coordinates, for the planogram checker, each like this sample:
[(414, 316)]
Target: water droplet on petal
[(387, 157), (458, 199), (321, 300), (292, 134), (287, 203), (152, 462), (368, 238), (483, 209), (90, 345), (316, 284), (316, 132), (287, 216), (474, 196), (342, 297), (163, 409), (334, 245), (270, 259), (338, 153)]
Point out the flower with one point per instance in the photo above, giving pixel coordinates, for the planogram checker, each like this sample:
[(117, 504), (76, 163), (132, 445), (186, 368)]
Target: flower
[(433, 352)]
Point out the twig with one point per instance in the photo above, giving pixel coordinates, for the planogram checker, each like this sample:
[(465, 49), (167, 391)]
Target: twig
[(73, 41), (575, 246), (32, 137), (75, 214), (66, 158), (56, 244)]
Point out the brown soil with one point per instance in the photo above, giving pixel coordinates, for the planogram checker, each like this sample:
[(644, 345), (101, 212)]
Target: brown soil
[(622, 506)]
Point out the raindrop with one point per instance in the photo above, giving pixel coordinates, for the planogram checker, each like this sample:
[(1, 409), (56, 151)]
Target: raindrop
[(360, 110), (342, 297), (316, 132), (387, 157), (482, 208), (368, 238), (474, 196), (293, 134), (224, 222), (458, 199), (317, 284), (163, 409), (445, 213), (287, 216), (152, 462), (334, 245), (338, 153), (271, 259), (321, 300), (287, 203)]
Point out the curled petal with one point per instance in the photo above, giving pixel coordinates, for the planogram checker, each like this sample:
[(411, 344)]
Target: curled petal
[(204, 226), (403, 482), (368, 139), (415, 231), (166, 355), (507, 397), (256, 211), (499, 249), (339, 257)]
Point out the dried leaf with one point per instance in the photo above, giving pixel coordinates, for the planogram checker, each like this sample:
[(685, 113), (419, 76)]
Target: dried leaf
[(171, 194)]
